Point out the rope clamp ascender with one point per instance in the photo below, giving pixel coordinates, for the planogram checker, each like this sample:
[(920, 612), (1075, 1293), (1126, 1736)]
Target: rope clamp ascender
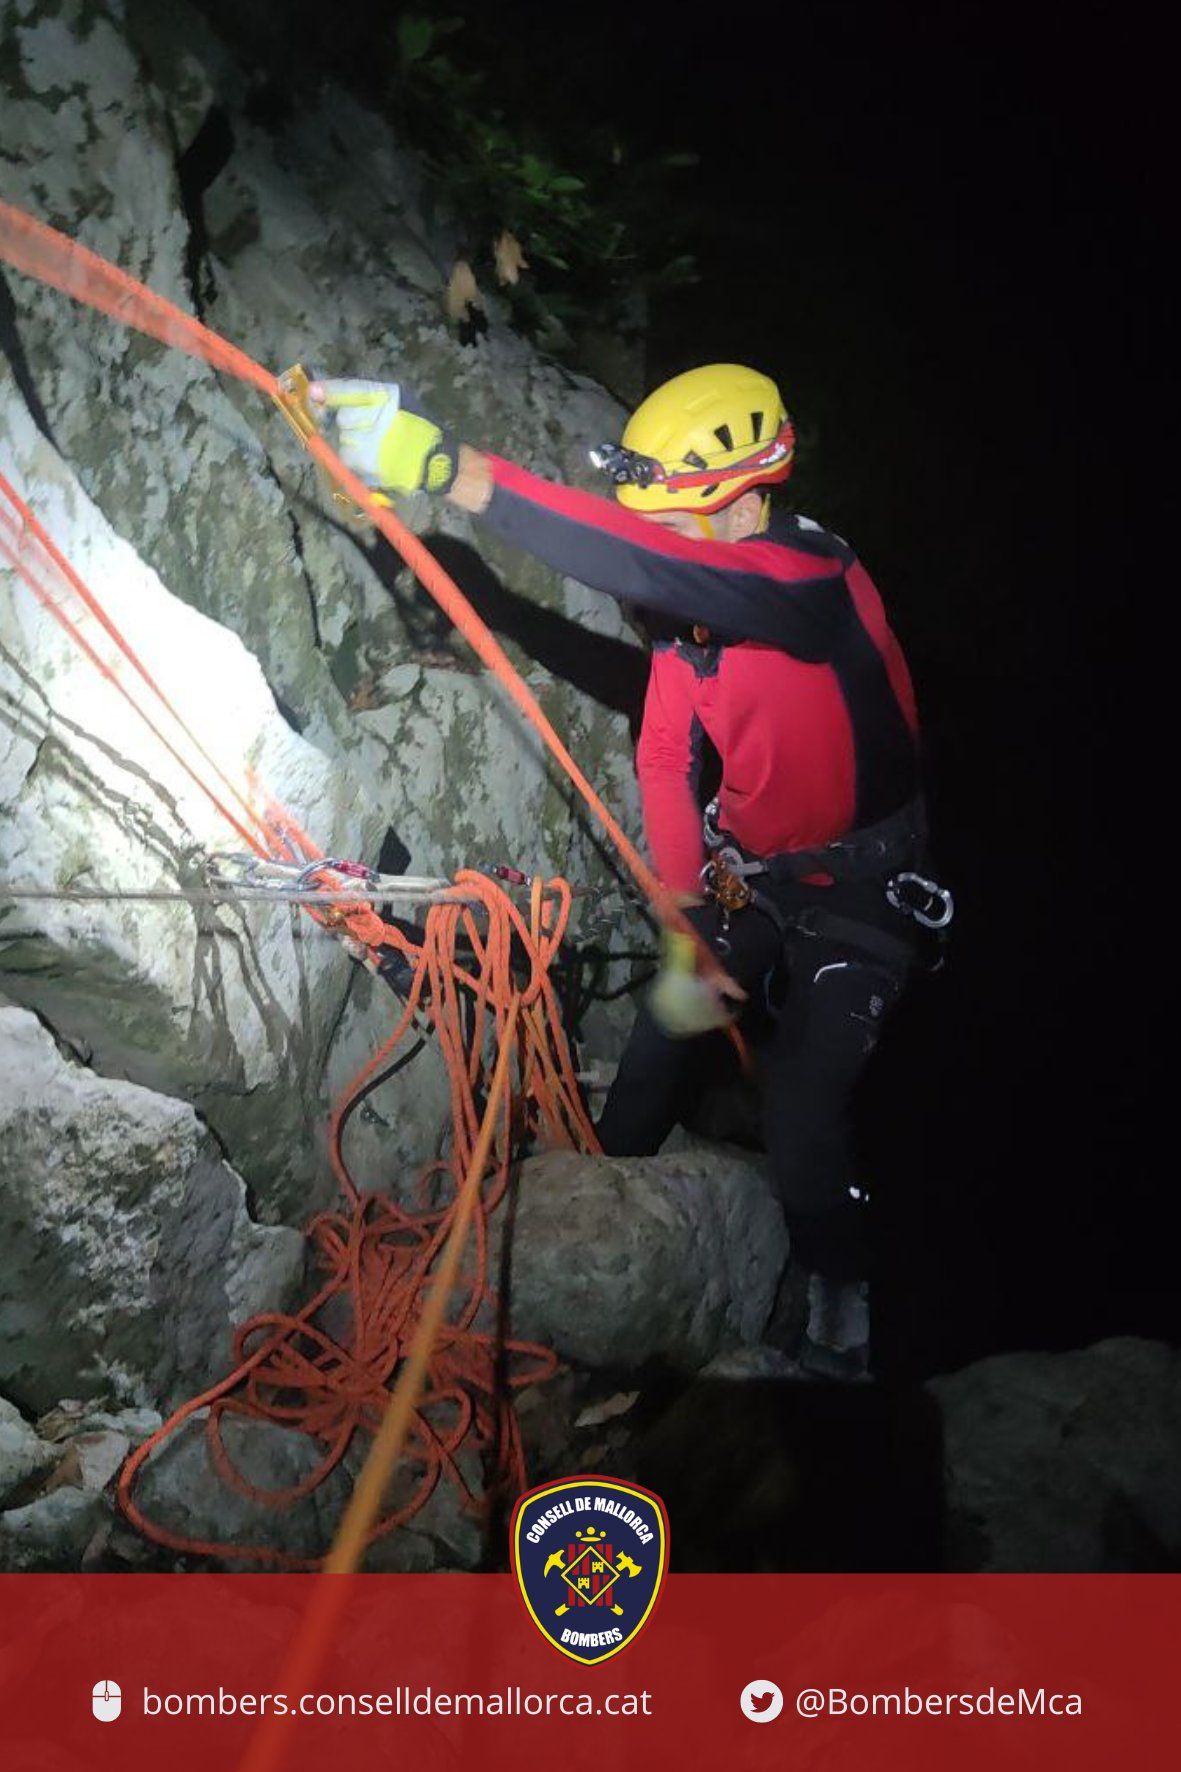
[(723, 878), (294, 402)]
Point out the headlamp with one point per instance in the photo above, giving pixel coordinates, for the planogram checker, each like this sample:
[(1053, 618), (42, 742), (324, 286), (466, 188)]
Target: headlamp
[(626, 468)]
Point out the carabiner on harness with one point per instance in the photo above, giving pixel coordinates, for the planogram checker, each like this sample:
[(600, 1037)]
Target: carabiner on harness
[(931, 905)]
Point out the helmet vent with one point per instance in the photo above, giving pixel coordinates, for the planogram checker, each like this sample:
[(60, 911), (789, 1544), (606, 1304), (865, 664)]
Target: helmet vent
[(694, 460), (724, 436), (756, 426)]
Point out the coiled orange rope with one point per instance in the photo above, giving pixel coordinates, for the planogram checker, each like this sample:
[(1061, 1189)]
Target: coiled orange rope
[(378, 1258)]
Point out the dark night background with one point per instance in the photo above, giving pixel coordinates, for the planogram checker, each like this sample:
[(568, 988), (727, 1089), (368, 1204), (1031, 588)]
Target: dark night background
[(933, 229)]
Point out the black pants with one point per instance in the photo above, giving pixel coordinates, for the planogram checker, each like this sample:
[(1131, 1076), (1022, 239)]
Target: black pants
[(815, 1012)]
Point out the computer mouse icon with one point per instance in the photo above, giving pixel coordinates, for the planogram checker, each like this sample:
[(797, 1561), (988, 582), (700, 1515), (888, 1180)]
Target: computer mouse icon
[(106, 1700)]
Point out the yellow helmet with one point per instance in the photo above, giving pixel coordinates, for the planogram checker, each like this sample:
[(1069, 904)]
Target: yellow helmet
[(700, 440)]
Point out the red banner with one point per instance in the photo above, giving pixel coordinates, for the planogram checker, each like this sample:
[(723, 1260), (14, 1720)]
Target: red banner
[(826, 1673)]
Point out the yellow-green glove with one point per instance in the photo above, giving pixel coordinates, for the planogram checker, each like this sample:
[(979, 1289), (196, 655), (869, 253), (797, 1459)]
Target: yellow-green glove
[(681, 1002), (384, 437)]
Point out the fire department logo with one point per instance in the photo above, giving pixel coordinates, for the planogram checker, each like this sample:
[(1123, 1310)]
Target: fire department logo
[(590, 1555)]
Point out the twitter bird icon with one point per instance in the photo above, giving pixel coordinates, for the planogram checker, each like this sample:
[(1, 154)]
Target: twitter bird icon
[(761, 1701)]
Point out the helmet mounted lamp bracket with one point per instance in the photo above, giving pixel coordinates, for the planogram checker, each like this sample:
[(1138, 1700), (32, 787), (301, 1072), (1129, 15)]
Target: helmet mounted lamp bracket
[(625, 467)]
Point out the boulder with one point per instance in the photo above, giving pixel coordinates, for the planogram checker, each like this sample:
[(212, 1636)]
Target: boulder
[(617, 1261), (1064, 1461), (182, 1491), (129, 1250), (52, 1533), (24, 1456)]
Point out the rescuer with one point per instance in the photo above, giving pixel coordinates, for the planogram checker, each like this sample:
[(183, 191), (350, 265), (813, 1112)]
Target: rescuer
[(805, 873)]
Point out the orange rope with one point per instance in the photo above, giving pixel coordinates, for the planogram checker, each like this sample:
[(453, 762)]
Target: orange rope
[(40, 251), (379, 1260), (330, 1596), (53, 582)]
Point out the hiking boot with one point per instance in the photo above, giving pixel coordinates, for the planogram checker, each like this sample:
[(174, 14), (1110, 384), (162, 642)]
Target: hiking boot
[(835, 1343)]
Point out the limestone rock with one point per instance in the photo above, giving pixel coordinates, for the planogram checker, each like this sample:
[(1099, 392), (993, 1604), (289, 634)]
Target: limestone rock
[(23, 1455), (129, 1251), (616, 1261), (1064, 1461), (178, 491), (744, 1364), (51, 1533), (230, 1008), (308, 659), (91, 1461), (181, 1490)]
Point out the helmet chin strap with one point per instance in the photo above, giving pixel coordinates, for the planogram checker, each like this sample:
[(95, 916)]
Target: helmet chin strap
[(705, 525)]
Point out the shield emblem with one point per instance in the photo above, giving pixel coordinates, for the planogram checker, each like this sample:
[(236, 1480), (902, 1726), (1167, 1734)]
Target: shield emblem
[(590, 1555)]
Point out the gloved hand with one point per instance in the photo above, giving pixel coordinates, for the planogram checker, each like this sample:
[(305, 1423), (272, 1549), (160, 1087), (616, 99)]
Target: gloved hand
[(681, 1002), (384, 437)]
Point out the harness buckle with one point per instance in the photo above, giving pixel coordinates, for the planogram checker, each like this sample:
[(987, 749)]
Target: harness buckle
[(930, 904)]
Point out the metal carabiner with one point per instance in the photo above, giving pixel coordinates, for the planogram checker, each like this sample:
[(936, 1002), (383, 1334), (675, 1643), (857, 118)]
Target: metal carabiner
[(933, 894), (710, 828)]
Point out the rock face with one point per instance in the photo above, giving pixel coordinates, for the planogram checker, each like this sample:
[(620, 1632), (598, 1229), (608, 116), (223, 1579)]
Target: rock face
[(169, 486), (231, 1009), (129, 1254), (166, 1070), (1065, 1461), (618, 1261)]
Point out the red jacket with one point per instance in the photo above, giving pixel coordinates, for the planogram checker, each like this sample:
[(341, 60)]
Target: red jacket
[(807, 697)]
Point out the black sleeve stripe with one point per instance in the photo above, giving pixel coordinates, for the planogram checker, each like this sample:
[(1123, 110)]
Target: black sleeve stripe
[(752, 590)]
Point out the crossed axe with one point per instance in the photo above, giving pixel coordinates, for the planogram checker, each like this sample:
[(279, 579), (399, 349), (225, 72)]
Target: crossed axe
[(625, 1566)]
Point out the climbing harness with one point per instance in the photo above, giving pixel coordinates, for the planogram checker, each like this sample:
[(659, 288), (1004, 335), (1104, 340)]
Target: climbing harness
[(875, 853)]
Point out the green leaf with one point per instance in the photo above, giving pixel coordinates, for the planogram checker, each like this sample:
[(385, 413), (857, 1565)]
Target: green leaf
[(415, 36)]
